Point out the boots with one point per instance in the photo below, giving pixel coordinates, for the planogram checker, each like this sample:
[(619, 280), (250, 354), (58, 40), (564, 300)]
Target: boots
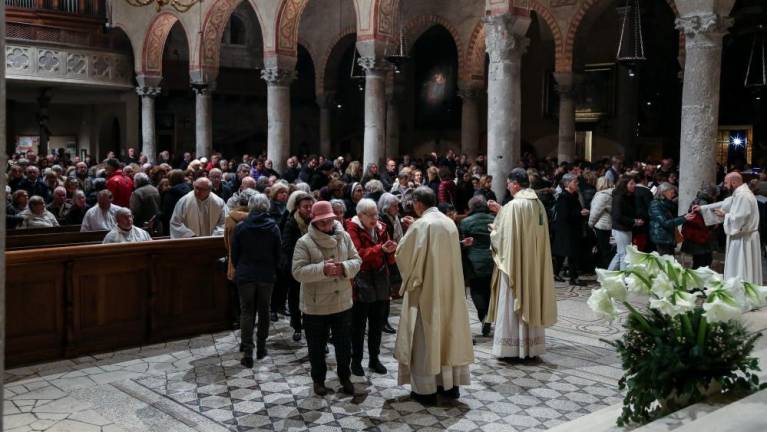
[(320, 389), (376, 366), (346, 386), (247, 360), (261, 350), (357, 368)]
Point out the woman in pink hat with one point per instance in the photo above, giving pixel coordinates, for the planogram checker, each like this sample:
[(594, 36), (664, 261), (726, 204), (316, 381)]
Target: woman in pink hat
[(324, 262)]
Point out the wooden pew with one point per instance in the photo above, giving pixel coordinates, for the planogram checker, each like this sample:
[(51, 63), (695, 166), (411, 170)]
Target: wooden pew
[(38, 231), (71, 301), (56, 239)]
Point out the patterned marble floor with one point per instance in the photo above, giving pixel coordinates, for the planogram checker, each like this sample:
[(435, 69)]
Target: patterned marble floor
[(199, 385)]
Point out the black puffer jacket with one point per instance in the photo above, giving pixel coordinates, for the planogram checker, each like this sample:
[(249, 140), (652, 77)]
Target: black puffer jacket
[(256, 249), (623, 211)]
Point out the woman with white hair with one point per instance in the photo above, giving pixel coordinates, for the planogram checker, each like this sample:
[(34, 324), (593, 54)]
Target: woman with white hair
[(663, 219), (255, 252), (36, 216), (371, 286), (389, 214)]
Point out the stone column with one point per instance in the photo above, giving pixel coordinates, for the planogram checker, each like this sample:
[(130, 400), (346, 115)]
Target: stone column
[(392, 125), (203, 126), (700, 102), (3, 161), (148, 133), (566, 147), (278, 114), (505, 44), (471, 95), (375, 110), (324, 101)]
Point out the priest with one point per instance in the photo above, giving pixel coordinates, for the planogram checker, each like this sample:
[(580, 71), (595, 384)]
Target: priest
[(198, 213), (433, 346), (125, 231), (740, 215), (523, 301)]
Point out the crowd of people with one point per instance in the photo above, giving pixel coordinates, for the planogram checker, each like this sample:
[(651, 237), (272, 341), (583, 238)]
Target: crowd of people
[(328, 244)]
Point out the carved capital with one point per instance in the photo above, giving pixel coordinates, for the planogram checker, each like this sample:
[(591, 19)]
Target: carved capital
[(707, 23), (278, 77), (202, 89), (374, 65), (565, 83), (146, 91), (504, 38)]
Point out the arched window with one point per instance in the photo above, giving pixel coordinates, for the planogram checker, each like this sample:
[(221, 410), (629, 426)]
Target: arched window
[(236, 31)]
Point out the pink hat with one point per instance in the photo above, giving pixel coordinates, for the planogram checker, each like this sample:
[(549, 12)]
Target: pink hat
[(322, 210)]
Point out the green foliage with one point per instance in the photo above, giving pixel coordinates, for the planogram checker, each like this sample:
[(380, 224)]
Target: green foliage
[(678, 358)]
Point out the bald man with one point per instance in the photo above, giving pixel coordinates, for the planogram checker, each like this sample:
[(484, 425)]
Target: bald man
[(199, 213), (741, 224)]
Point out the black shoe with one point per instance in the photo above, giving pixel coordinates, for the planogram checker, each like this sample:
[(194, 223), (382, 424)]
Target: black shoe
[(347, 386), (284, 312), (578, 282), (377, 367), (387, 328), (320, 389), (558, 278), (242, 348), (453, 393), (357, 369), (297, 336), (486, 329), (247, 360), (426, 400), (261, 353), (273, 316), (473, 341)]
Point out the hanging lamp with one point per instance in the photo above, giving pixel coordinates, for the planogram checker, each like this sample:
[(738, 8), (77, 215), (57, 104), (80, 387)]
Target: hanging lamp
[(756, 71), (631, 43)]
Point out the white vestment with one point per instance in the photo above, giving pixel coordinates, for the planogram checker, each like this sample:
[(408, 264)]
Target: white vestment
[(195, 218), (31, 220), (96, 219), (741, 224), (134, 235), (513, 337)]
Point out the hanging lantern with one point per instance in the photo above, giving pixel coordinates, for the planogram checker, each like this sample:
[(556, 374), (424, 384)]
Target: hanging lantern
[(631, 43), (756, 71), (357, 73), (399, 56)]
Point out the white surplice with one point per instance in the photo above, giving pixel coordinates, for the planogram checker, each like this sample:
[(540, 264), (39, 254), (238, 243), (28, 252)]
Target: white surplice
[(741, 224), (514, 338), (195, 218), (96, 219), (133, 235)]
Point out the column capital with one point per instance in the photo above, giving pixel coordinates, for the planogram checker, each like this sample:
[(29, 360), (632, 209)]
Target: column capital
[(565, 83), (470, 91), (325, 99), (703, 23), (147, 91), (373, 65), (275, 76), (505, 37)]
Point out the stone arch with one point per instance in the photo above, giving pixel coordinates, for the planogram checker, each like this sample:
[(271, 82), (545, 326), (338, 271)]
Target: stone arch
[(213, 25), (330, 59), (150, 63), (287, 22), (586, 7), (417, 26), (545, 14)]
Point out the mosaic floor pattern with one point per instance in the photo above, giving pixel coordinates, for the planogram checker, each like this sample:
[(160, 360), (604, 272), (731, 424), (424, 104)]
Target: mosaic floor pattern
[(198, 384)]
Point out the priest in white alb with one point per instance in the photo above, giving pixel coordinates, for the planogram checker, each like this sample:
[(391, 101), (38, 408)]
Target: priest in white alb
[(740, 220), (523, 301), (125, 231), (198, 213), (433, 347)]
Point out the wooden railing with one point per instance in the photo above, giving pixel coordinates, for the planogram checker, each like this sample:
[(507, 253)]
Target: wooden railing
[(92, 8), (77, 300)]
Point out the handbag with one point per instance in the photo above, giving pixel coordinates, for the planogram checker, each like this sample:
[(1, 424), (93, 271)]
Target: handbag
[(372, 285)]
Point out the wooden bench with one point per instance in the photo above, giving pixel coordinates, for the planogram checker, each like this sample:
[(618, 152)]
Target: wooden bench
[(38, 231), (76, 300), (37, 241)]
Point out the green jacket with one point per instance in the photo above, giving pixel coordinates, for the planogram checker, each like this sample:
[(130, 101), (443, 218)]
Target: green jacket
[(663, 223), (479, 258)]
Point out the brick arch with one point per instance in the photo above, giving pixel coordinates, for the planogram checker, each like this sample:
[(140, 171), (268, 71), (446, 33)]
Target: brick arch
[(287, 22), (213, 26), (325, 62), (417, 26), (150, 63), (545, 14), (577, 20)]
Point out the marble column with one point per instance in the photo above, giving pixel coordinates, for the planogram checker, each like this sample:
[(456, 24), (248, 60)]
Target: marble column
[(700, 102), (505, 45), (375, 110), (278, 114), (566, 143), (148, 133), (393, 125), (3, 161), (471, 95), (324, 101), (203, 125)]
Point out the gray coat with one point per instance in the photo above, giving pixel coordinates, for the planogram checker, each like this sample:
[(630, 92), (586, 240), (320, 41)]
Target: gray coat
[(144, 204), (600, 216)]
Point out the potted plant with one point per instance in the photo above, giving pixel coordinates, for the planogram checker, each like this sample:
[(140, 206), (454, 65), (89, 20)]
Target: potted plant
[(687, 343)]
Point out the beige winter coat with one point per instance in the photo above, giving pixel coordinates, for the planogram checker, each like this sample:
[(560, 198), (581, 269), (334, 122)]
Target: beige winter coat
[(322, 295)]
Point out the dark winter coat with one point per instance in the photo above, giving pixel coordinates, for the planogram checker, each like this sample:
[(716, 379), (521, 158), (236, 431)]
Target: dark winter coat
[(169, 201), (256, 250), (623, 211), (663, 223), (568, 226), (479, 256)]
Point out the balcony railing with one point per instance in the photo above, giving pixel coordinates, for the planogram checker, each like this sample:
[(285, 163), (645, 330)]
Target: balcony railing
[(91, 8)]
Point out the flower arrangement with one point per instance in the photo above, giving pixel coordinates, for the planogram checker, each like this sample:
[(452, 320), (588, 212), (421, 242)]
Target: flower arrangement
[(689, 341)]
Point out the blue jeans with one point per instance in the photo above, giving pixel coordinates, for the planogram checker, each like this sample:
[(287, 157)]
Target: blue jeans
[(622, 240)]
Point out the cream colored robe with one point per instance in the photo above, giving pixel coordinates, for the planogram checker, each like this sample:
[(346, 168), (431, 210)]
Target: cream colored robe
[(429, 259), (741, 224), (522, 251), (186, 223)]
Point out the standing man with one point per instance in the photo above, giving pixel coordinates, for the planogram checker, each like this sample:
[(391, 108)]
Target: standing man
[(199, 213), (118, 183), (741, 224), (523, 300), (433, 347)]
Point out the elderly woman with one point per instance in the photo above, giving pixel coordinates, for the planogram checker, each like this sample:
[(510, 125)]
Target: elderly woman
[(663, 219), (389, 213), (36, 216), (354, 193), (339, 208), (624, 218), (568, 230), (371, 286), (255, 252), (20, 200), (479, 265), (296, 225), (699, 240), (324, 262), (278, 195), (235, 216)]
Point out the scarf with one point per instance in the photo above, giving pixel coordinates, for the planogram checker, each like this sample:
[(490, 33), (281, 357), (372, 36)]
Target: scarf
[(397, 232), (302, 225)]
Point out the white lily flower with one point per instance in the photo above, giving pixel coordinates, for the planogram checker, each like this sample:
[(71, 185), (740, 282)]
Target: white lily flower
[(612, 281), (662, 286), (601, 303), (636, 285), (664, 306), (756, 295), (707, 276), (720, 310), (685, 302), (633, 256)]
